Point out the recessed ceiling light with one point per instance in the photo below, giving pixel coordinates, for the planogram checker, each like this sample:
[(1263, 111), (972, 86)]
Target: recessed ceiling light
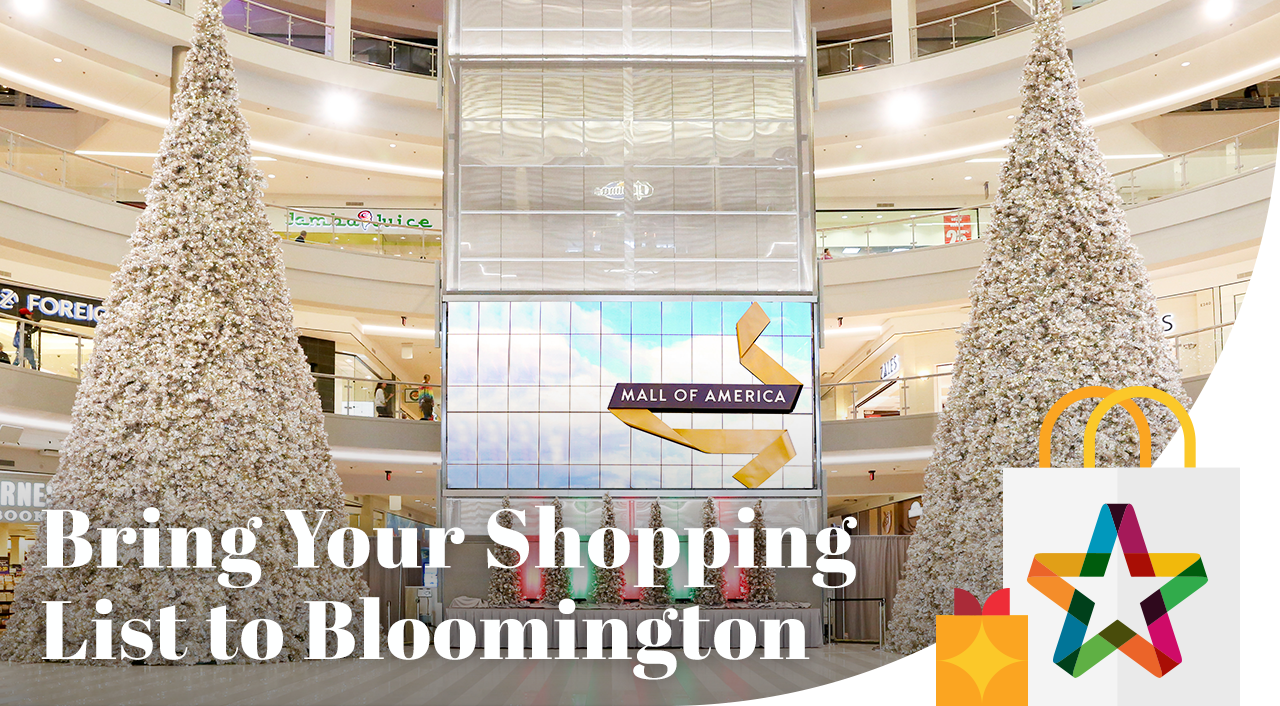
[(1186, 63), (340, 107), (1218, 9), (57, 60), (1010, 117), (879, 216), (271, 176), (968, 178), (844, 216), (31, 8), (857, 147), (393, 144), (904, 108)]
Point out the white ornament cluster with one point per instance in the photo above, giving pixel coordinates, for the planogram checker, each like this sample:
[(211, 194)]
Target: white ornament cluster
[(1062, 301), (197, 399)]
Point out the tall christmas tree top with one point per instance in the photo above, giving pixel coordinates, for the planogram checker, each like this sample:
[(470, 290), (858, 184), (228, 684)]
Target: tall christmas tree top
[(197, 401), (1062, 300)]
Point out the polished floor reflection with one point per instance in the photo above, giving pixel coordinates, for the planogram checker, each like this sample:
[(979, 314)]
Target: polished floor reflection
[(433, 680)]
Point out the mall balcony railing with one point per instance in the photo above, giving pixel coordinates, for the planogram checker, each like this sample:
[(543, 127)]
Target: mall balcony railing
[(279, 26), (1197, 352), (1225, 159), (53, 165), (854, 54), (969, 27), (395, 54), (64, 352)]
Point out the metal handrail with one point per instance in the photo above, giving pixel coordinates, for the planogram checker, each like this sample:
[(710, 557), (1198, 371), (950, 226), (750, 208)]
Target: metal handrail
[(1201, 148), (966, 13), (284, 12), (393, 40), (68, 154), (858, 40), (908, 219)]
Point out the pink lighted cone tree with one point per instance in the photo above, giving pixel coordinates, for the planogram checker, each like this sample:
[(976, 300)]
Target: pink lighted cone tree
[(197, 401)]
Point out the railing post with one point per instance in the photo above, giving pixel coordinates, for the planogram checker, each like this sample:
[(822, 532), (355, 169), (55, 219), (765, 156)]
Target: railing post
[(9, 151), (288, 32), (1186, 179), (902, 14), (63, 180), (247, 7), (913, 235), (953, 33), (1239, 159)]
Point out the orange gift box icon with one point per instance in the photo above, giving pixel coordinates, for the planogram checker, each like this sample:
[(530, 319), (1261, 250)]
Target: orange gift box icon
[(982, 653)]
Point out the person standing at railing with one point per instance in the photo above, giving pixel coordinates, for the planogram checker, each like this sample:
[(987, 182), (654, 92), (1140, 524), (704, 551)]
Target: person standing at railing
[(24, 339), (1251, 356), (826, 254), (382, 398), (4, 357), (426, 400)]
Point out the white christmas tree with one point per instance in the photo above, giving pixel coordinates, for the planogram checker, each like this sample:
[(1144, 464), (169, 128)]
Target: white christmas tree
[(1255, 638), (555, 579), (660, 594), (504, 584), (1062, 300), (608, 581), (761, 580), (197, 401), (713, 593)]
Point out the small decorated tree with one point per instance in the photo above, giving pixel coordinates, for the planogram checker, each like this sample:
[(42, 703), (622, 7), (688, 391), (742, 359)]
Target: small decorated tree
[(608, 589), (713, 593), (504, 584), (761, 581), (555, 580), (1255, 638), (661, 593)]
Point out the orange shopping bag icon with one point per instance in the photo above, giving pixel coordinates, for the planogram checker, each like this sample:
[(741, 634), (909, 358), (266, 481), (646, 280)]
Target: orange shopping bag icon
[(982, 653)]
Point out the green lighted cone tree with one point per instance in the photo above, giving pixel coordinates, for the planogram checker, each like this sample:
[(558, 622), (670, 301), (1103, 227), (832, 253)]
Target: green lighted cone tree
[(1062, 300), (555, 579), (608, 581), (197, 401), (761, 580), (713, 593), (504, 584), (661, 593)]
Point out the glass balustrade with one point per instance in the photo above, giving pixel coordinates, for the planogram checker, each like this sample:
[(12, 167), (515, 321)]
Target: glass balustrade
[(52, 165), (854, 55), (277, 26), (1227, 158), (395, 54)]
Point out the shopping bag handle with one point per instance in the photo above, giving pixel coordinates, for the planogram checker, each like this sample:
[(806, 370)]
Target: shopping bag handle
[(1149, 393), (1095, 391)]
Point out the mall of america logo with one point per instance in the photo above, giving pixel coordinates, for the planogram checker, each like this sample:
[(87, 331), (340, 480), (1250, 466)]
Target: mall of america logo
[(635, 404), (1117, 523)]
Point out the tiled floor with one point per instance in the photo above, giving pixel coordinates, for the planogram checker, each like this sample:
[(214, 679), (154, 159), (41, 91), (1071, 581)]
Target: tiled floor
[(433, 680)]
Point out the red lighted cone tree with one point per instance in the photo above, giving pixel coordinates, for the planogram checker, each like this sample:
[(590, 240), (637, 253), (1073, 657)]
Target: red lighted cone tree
[(197, 401)]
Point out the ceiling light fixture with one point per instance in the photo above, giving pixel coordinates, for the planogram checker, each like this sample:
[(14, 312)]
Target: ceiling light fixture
[(397, 331), (393, 144), (968, 178), (57, 60), (271, 176), (340, 107), (1186, 64), (415, 458), (863, 330), (1218, 9), (904, 109), (30, 8)]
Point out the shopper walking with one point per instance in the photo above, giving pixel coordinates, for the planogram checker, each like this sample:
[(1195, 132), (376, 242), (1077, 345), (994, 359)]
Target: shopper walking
[(24, 339), (1251, 356), (382, 397), (426, 400)]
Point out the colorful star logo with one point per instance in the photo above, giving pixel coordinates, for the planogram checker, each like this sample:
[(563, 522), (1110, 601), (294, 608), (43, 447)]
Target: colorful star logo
[(1117, 523)]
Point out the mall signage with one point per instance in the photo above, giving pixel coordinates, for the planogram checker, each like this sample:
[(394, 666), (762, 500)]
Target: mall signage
[(616, 190), (22, 497), (364, 219), (51, 305), (757, 399)]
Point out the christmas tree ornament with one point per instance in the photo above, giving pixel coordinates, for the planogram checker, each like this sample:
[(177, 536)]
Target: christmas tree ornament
[(713, 593), (608, 581), (660, 594), (504, 583), (1062, 300), (556, 579), (197, 401)]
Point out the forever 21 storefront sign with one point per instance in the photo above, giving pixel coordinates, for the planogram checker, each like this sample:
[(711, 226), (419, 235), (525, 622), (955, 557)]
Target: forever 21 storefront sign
[(52, 305), (22, 497)]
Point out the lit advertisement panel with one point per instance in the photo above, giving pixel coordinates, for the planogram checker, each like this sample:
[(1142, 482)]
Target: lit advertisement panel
[(629, 395)]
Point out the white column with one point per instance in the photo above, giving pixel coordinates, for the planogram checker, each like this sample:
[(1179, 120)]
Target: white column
[(903, 16), (337, 14)]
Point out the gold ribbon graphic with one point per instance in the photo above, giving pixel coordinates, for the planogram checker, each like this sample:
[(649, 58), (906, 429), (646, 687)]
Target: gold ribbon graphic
[(773, 448)]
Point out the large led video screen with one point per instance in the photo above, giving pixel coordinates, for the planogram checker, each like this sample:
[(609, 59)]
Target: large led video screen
[(629, 395)]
